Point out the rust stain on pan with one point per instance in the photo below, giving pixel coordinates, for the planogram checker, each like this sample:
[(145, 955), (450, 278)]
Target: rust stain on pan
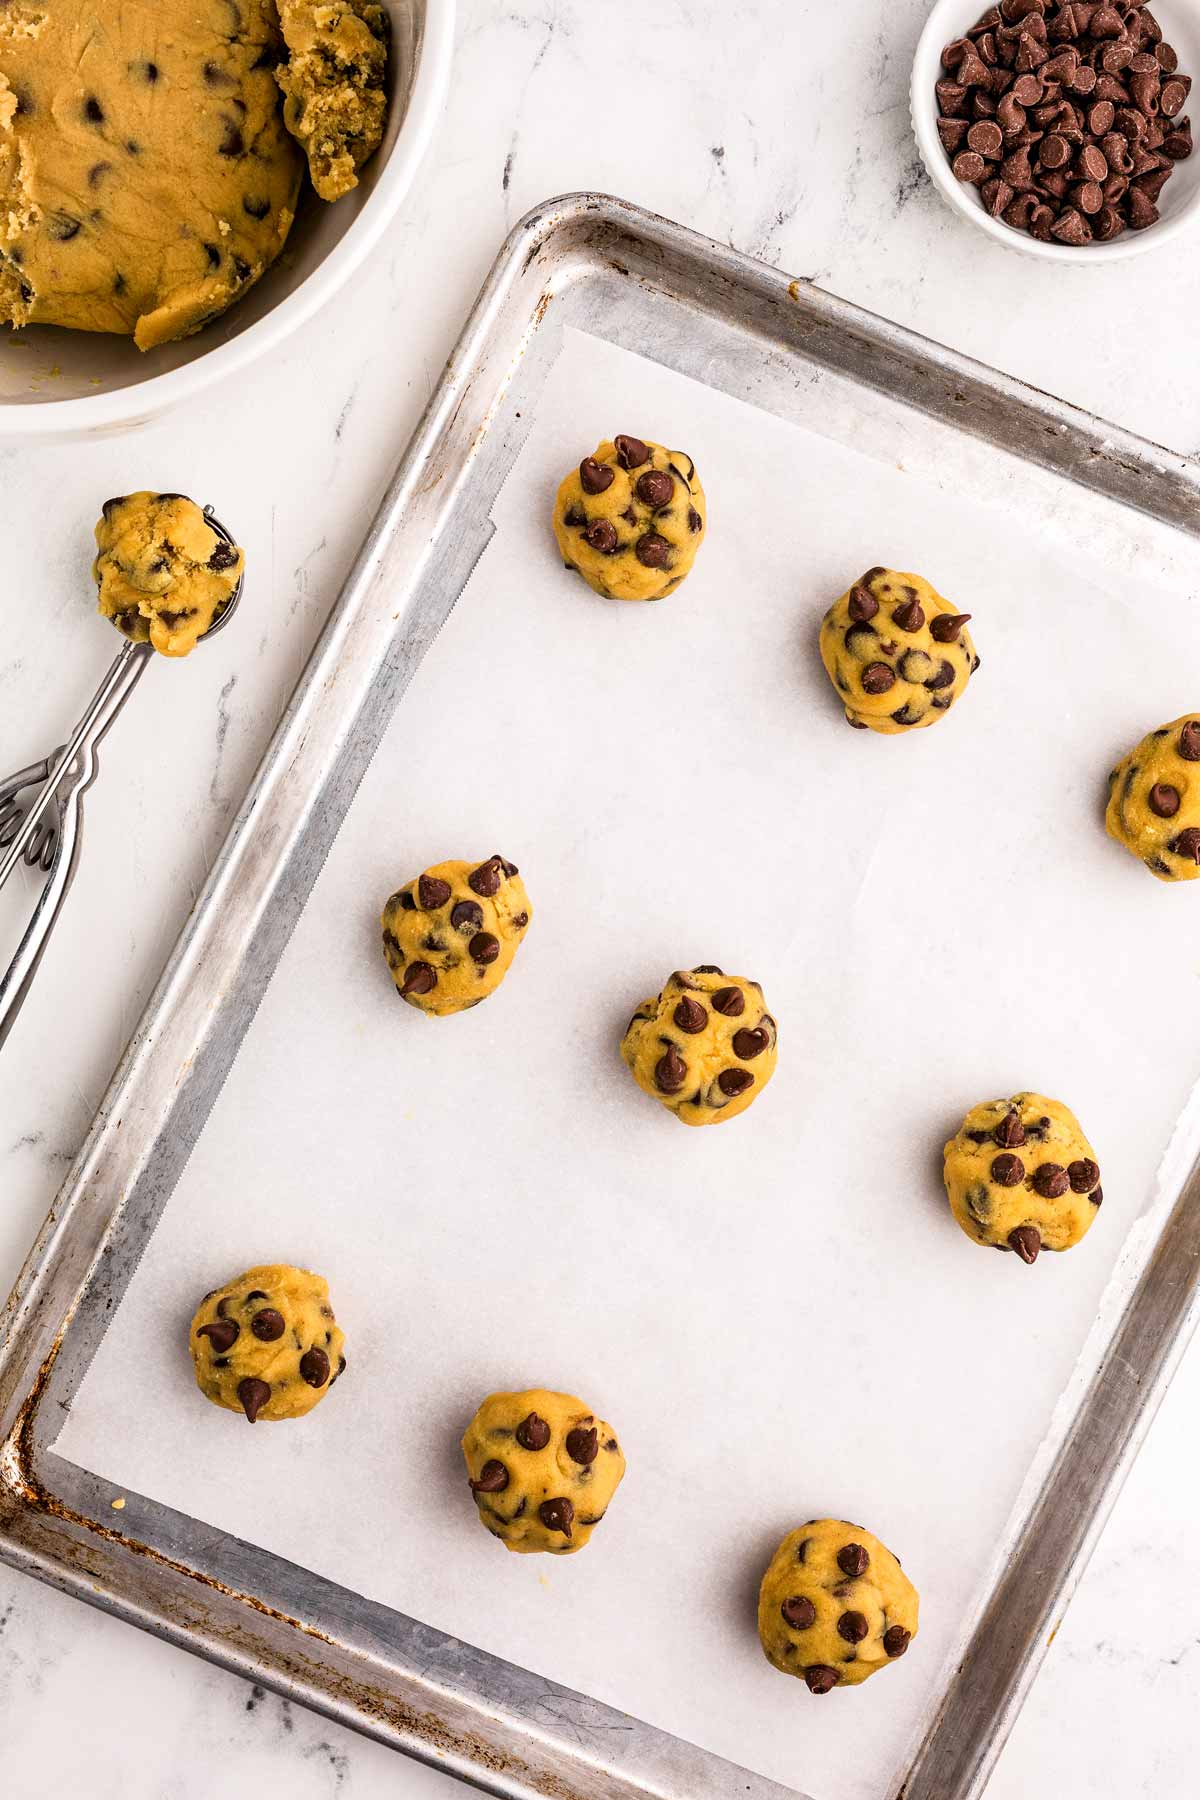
[(371, 1703)]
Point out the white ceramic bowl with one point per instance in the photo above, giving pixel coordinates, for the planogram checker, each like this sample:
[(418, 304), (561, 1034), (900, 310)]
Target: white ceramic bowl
[(1180, 202), (56, 384)]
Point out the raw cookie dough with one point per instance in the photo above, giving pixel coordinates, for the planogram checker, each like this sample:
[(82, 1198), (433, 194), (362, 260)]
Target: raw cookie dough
[(631, 518), (542, 1468), (705, 1046), (267, 1344), (450, 936), (1154, 800), (163, 572), (835, 1606), (897, 653), (333, 97), (146, 178), (1021, 1176)]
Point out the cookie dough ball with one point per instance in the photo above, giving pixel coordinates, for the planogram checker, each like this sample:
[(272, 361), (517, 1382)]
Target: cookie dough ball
[(450, 936), (334, 103), (1021, 1176), (542, 1468), (705, 1046), (631, 518), (835, 1606), (163, 572), (146, 178), (1154, 800), (897, 653), (267, 1344)]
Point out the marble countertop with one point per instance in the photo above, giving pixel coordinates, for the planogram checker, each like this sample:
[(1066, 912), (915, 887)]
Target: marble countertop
[(780, 126)]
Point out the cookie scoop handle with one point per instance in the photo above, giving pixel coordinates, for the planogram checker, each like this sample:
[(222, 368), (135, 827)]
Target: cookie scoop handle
[(51, 823)]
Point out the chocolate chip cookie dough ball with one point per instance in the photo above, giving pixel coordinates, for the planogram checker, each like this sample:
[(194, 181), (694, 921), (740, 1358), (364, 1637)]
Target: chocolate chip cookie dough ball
[(1020, 1175), (450, 936), (542, 1468), (835, 1606), (705, 1047), (267, 1344), (1154, 801), (334, 102), (631, 518), (163, 573), (897, 653), (146, 177)]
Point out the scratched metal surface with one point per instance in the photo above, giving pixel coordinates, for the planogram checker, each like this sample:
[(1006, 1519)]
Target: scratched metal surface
[(585, 261)]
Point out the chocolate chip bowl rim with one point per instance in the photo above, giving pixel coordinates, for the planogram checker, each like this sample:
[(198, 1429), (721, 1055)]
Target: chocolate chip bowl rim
[(950, 19), (326, 247)]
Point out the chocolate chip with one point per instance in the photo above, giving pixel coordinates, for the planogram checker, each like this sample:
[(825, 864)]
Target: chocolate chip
[(853, 1559), (1189, 742), (695, 522), (583, 1446), (222, 1335), (1026, 1241), (232, 142), (749, 1044), (520, 920), (799, 1612), (670, 1071), (690, 1016), (595, 477), (557, 1515), (820, 1678), (223, 557), (255, 206), (986, 139), (253, 1395), (533, 1433), (1010, 1133), (944, 677), (1083, 1175), (896, 1640), (652, 551), (601, 534), (93, 112), (655, 488), (944, 628), (1164, 800), (1051, 1181), (485, 879), (969, 166), (631, 451), (733, 1082), (268, 1325), (1186, 844), (877, 678), (493, 1478), (466, 916), (1097, 1196), (419, 978), (729, 1001), (574, 517), (484, 948), (314, 1367), (862, 604), (1007, 1170), (432, 892), (853, 1627)]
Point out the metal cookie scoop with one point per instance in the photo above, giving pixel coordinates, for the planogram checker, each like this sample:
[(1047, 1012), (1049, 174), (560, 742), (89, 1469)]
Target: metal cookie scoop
[(41, 807)]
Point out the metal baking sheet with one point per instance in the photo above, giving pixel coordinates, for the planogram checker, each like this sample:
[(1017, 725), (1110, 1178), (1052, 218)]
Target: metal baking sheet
[(745, 330)]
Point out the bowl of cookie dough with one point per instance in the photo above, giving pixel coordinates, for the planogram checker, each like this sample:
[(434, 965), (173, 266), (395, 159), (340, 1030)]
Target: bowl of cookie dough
[(174, 209)]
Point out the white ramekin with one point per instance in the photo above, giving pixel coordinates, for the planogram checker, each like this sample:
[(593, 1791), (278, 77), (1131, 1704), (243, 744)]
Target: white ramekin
[(61, 384), (1180, 202)]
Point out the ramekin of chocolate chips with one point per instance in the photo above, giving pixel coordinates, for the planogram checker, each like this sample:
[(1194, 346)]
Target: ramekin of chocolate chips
[(1057, 124)]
